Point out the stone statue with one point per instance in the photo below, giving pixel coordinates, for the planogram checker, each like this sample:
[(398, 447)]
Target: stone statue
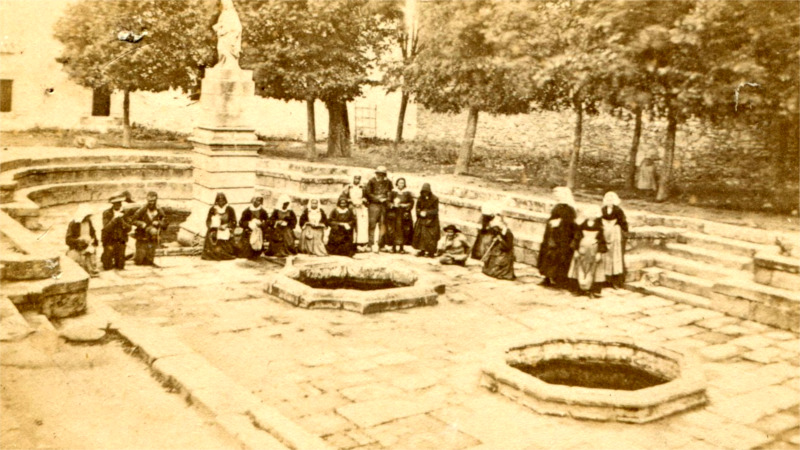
[(229, 36)]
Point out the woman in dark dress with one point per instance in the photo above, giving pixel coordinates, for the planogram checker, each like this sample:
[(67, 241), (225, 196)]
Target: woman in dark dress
[(555, 251), (255, 228), (283, 221), (399, 224), (220, 222), (615, 226), (589, 243), (484, 238), (342, 221), (426, 230), (498, 261)]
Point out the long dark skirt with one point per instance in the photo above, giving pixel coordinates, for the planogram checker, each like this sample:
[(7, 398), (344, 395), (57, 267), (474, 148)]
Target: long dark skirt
[(499, 265), (217, 250), (426, 236), (283, 242), (340, 241)]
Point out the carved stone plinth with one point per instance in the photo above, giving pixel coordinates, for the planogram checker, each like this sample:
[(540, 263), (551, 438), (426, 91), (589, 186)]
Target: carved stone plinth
[(225, 147)]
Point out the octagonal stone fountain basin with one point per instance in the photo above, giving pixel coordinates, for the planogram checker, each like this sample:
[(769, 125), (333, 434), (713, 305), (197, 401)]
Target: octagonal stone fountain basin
[(597, 378), (352, 285)]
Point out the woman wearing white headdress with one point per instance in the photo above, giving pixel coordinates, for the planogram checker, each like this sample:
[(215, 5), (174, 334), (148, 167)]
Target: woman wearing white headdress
[(555, 251), (589, 245), (82, 240), (313, 223), (614, 227), (283, 220)]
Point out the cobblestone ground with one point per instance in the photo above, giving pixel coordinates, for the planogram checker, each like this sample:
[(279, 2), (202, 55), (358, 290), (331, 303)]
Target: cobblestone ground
[(409, 379)]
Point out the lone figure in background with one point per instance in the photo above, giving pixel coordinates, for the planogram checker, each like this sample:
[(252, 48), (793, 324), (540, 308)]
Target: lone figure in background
[(614, 228), (82, 240), (150, 221), (453, 248), (555, 251), (115, 233)]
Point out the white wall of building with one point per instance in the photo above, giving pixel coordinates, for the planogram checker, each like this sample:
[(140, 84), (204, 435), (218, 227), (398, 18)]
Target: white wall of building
[(27, 56)]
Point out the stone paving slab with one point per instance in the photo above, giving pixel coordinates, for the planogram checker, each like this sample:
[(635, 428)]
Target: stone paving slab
[(409, 379)]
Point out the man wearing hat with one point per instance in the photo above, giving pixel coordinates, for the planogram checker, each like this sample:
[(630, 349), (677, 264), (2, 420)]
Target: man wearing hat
[(114, 234), (150, 221), (453, 247), (377, 192)]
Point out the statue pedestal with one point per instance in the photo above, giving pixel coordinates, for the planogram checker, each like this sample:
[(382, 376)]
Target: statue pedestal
[(225, 147)]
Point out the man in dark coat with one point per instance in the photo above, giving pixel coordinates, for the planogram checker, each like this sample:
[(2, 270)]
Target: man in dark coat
[(114, 234), (150, 221), (426, 230), (377, 193)]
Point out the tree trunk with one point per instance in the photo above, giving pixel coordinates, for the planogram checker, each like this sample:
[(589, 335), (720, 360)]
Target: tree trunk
[(126, 119), (464, 156), (311, 132), (669, 156), (630, 181), (338, 129), (574, 159), (401, 117)]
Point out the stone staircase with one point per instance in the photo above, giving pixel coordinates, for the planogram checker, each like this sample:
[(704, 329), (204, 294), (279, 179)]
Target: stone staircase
[(719, 272)]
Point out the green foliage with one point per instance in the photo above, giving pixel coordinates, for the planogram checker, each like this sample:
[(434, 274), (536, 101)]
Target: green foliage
[(178, 44)]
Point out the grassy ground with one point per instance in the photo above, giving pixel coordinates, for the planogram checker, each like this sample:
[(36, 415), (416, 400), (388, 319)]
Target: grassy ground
[(437, 159)]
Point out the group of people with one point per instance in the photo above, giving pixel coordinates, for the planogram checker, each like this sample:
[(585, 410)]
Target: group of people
[(150, 221), (362, 210), (579, 255), (582, 256)]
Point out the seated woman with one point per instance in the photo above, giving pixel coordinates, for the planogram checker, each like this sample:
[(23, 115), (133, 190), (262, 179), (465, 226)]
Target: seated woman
[(255, 229), (453, 247), (220, 223), (312, 230), (589, 244), (342, 221), (498, 261), (484, 238), (283, 221), (82, 240)]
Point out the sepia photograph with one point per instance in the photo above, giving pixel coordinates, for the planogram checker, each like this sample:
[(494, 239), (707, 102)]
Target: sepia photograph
[(400, 224)]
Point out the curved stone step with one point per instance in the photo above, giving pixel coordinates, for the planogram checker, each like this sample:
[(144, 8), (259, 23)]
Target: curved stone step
[(685, 283), (76, 156), (710, 256), (61, 174), (724, 244)]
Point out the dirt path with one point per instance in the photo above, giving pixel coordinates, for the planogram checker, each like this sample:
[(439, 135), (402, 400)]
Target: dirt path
[(92, 397)]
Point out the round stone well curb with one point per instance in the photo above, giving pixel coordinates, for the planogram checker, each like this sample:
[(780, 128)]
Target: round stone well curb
[(423, 290), (685, 390)]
